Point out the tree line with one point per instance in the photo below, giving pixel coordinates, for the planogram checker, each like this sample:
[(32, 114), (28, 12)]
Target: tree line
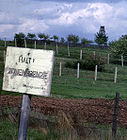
[(100, 38), (71, 38)]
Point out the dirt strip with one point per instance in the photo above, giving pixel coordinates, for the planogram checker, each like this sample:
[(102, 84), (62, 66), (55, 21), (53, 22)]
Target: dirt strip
[(93, 110)]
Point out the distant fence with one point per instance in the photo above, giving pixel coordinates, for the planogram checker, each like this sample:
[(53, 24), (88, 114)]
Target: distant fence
[(79, 54)]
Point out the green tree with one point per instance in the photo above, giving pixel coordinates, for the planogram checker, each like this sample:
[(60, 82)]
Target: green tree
[(55, 38), (72, 39), (41, 35), (62, 40), (31, 36), (20, 39), (119, 47), (84, 41), (101, 38), (75, 39)]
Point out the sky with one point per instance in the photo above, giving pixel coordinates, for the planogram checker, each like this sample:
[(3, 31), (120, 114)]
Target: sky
[(63, 17)]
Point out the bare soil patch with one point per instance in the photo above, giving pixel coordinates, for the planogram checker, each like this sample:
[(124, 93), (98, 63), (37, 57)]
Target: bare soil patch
[(87, 110)]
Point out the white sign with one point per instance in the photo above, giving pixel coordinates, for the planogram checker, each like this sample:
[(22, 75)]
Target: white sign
[(28, 71)]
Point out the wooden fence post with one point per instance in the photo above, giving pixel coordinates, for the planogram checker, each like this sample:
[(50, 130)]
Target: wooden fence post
[(35, 44), (95, 78), (68, 49), (15, 42), (78, 67), (114, 125), (4, 56), (5, 43), (25, 43), (56, 48), (94, 54), (45, 45), (122, 61), (80, 54), (24, 118), (115, 77), (108, 59), (60, 70)]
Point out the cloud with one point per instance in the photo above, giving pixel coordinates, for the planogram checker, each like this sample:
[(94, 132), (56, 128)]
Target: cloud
[(4, 28), (62, 17), (88, 18), (32, 25), (83, 1)]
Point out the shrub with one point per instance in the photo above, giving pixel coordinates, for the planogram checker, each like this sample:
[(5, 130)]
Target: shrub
[(89, 63), (119, 48)]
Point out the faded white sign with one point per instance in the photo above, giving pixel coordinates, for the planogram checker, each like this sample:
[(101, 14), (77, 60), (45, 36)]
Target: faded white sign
[(28, 71)]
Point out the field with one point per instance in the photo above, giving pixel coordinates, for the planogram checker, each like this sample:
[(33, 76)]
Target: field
[(83, 88), (69, 86)]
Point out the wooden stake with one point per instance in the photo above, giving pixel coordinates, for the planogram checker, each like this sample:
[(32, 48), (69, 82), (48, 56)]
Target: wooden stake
[(5, 44), (114, 125), (108, 59), (68, 49), (78, 65), (35, 44), (94, 54), (95, 78), (4, 57), (56, 48), (25, 43), (80, 54), (122, 61), (45, 45), (115, 77), (24, 118), (15, 42), (60, 71)]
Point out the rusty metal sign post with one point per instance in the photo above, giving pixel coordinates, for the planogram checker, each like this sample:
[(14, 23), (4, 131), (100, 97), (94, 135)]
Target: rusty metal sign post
[(28, 71)]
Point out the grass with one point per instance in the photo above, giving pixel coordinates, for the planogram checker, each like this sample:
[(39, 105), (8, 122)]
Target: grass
[(9, 131), (65, 129), (85, 87)]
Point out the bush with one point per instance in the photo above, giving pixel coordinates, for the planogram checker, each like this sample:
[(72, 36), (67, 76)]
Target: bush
[(119, 48), (89, 63)]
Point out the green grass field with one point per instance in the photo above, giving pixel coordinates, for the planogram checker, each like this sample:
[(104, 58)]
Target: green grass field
[(85, 87), (69, 86)]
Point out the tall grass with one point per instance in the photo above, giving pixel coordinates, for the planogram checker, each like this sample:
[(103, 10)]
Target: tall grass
[(63, 127)]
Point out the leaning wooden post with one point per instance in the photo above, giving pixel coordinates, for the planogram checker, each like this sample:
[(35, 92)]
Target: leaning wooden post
[(15, 42), (122, 61), (25, 112), (5, 43), (25, 43), (35, 44), (78, 65), (114, 125), (68, 49), (108, 59), (80, 54), (60, 71), (95, 77), (115, 77)]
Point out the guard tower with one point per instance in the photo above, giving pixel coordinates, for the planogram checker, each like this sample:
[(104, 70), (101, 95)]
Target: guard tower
[(102, 30)]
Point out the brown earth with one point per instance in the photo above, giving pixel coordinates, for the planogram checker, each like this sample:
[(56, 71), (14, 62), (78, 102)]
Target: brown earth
[(89, 110)]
